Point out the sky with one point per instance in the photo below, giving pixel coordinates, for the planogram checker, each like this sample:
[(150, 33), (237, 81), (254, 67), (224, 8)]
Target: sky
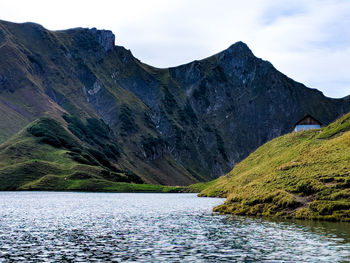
[(308, 40)]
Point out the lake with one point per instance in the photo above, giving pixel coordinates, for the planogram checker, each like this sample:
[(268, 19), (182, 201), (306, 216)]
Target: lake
[(138, 227)]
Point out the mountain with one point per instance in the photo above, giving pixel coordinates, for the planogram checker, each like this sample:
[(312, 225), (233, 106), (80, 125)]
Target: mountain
[(172, 126), (301, 175)]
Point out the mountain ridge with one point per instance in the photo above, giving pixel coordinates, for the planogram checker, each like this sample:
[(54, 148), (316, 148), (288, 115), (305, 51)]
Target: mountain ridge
[(175, 125)]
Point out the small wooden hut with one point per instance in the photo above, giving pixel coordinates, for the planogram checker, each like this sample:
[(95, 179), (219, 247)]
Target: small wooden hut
[(307, 123)]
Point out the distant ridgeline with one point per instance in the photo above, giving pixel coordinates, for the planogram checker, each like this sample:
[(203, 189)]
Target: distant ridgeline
[(119, 119)]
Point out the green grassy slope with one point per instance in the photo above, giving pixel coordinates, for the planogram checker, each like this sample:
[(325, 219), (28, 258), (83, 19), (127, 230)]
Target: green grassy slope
[(303, 175), (45, 156)]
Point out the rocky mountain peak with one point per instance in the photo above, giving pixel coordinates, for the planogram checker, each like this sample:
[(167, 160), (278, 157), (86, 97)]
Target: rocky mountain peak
[(241, 46), (237, 50), (106, 38)]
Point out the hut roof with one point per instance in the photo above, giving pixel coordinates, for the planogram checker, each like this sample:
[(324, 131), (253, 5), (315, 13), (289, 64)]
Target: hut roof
[(308, 120)]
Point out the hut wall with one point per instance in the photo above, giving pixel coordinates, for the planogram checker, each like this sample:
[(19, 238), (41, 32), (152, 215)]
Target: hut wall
[(306, 127)]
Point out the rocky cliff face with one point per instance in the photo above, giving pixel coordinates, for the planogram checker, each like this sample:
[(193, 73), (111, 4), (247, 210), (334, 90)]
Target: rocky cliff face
[(105, 38), (174, 126)]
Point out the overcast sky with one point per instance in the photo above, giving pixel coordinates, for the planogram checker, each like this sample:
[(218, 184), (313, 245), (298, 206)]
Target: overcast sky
[(308, 40)]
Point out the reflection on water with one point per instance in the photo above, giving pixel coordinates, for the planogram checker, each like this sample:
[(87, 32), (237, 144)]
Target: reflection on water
[(42, 226), (331, 230)]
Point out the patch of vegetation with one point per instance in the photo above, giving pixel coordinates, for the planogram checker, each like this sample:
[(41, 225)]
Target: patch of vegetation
[(117, 177), (46, 157), (127, 118), (82, 158), (200, 94), (179, 135), (82, 182), (77, 127), (133, 177), (98, 128), (100, 157), (111, 150), (37, 64), (26, 163), (169, 101), (220, 145), (85, 41), (152, 145), (98, 134), (12, 176), (93, 131), (187, 115), (302, 175), (143, 188), (196, 188), (339, 126), (80, 176), (51, 132)]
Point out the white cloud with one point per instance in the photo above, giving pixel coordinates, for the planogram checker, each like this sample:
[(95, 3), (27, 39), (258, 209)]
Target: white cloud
[(312, 46), (306, 39)]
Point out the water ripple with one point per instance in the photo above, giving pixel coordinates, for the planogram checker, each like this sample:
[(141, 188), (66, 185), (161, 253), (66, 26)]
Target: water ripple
[(100, 227)]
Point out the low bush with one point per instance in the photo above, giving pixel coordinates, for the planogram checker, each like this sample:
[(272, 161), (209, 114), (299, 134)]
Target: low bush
[(51, 132)]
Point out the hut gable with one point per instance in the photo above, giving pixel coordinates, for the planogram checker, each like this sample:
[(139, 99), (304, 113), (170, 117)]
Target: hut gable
[(307, 123)]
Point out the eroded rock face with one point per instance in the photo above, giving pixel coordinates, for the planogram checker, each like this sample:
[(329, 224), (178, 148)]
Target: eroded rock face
[(2, 37), (3, 82), (105, 37)]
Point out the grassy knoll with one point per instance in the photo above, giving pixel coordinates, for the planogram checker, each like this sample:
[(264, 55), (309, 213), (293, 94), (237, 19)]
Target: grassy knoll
[(45, 156), (302, 175), (198, 187)]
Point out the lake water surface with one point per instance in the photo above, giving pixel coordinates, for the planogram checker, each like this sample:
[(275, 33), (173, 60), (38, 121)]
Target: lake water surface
[(122, 227)]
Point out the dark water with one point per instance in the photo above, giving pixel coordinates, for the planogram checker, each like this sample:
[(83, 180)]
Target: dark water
[(100, 227)]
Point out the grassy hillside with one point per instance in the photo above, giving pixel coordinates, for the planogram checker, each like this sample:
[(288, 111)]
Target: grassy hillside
[(46, 156), (304, 175)]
